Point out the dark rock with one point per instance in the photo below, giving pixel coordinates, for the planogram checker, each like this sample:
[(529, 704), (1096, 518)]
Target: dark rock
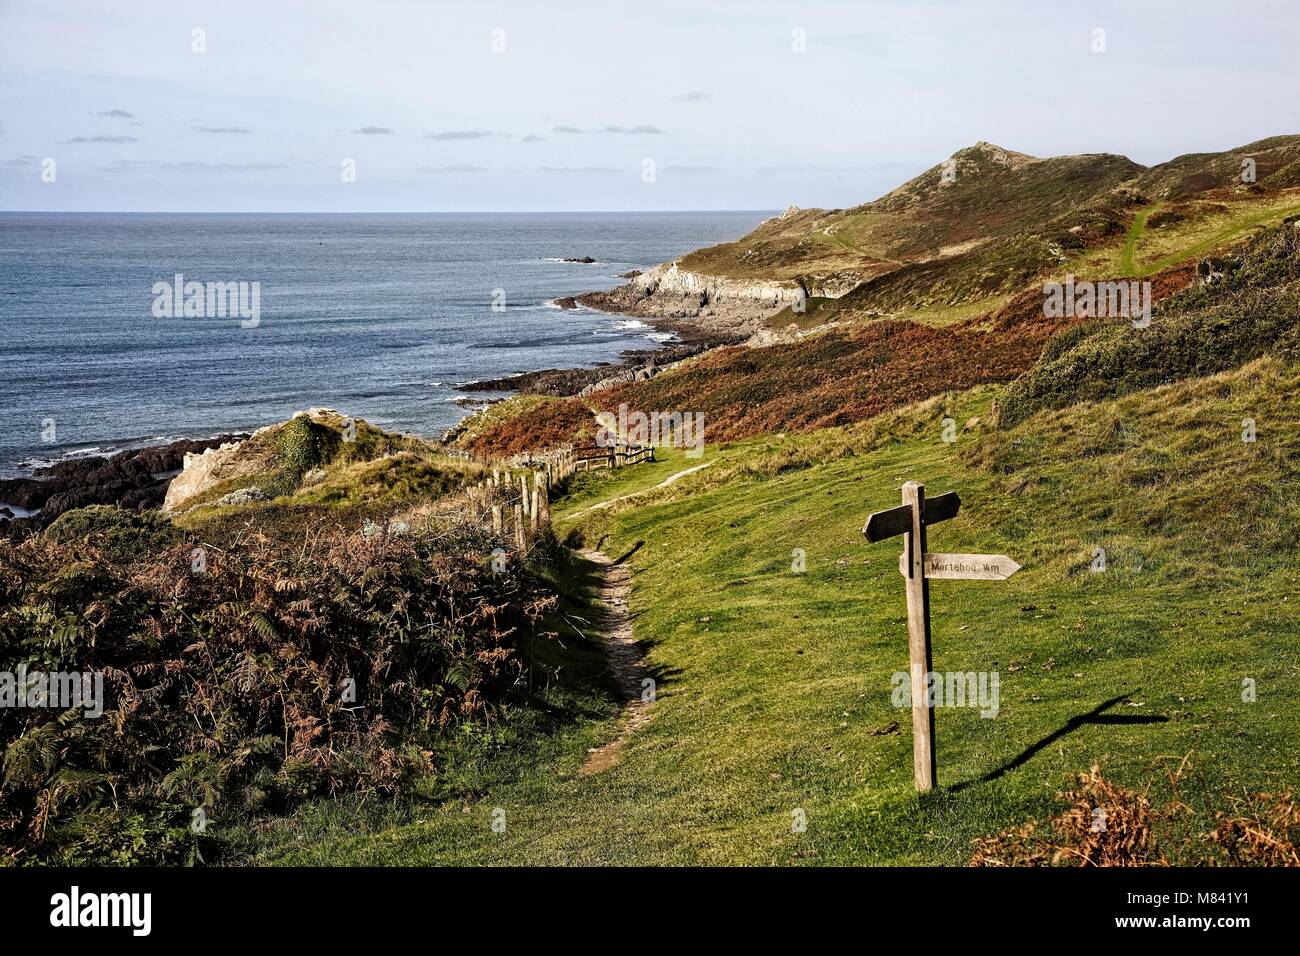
[(1212, 269), (567, 302), (630, 275), (584, 260)]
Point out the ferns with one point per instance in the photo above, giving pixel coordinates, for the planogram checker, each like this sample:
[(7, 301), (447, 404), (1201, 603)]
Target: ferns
[(225, 690), (31, 757), (262, 624)]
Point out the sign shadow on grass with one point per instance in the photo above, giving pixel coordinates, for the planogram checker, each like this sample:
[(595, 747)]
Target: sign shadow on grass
[(1095, 716)]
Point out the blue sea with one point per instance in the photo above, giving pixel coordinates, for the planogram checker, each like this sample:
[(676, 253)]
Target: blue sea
[(379, 316)]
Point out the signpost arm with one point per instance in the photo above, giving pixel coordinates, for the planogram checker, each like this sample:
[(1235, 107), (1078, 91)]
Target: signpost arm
[(918, 639)]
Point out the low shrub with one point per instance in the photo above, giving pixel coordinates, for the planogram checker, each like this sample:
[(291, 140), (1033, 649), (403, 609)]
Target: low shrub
[(1110, 825), (241, 683), (1105, 825), (116, 532)]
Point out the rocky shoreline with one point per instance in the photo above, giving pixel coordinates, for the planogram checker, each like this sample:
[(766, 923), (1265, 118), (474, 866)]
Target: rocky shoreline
[(696, 328), (701, 312), (135, 479), (564, 382)]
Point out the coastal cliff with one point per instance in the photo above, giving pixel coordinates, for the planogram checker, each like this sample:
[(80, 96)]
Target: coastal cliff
[(727, 305)]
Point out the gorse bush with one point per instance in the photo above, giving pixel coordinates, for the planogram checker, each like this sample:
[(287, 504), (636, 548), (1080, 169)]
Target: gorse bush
[(118, 533), (302, 445), (241, 683)]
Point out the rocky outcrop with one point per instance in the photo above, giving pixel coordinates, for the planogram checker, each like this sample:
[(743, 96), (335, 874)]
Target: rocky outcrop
[(668, 291), (623, 377), (233, 460), (566, 382), (201, 472), (732, 307), (243, 496)]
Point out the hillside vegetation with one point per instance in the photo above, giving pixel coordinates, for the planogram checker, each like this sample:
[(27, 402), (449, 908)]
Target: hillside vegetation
[(345, 631), (1251, 308), (774, 686), (1146, 649), (988, 220), (319, 648)]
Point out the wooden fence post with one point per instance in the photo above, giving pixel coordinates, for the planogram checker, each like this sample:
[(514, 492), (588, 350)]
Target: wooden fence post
[(496, 519), (520, 541), (536, 513)]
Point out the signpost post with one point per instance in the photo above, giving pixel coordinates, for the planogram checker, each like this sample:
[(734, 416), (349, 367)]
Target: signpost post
[(910, 519)]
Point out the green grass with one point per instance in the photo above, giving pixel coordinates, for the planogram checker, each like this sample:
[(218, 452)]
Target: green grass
[(591, 487), (817, 311), (953, 314), (773, 686), (1128, 254), (1182, 241)]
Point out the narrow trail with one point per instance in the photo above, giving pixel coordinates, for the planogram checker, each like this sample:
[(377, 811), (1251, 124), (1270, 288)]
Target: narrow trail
[(614, 626), (663, 484)]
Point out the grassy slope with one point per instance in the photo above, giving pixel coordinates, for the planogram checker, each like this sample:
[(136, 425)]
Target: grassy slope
[(1146, 252), (771, 684), (988, 198)]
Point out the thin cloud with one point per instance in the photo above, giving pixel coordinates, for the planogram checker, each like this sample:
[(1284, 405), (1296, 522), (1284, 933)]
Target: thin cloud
[(884, 166), (638, 130), (126, 165), (221, 129), (200, 166), (102, 139), (643, 129), (690, 169), (693, 97), (115, 114), (461, 134), (533, 138), (457, 168), (374, 131), (577, 169)]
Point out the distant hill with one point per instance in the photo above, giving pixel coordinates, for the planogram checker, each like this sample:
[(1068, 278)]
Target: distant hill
[(978, 194), (939, 285), (970, 232)]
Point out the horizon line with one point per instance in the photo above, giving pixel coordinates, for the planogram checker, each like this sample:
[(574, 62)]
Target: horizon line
[(361, 212)]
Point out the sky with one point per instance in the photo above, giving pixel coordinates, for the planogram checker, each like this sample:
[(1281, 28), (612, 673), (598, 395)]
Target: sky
[(410, 106)]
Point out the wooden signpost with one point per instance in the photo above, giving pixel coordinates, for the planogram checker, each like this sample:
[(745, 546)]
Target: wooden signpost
[(910, 519)]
